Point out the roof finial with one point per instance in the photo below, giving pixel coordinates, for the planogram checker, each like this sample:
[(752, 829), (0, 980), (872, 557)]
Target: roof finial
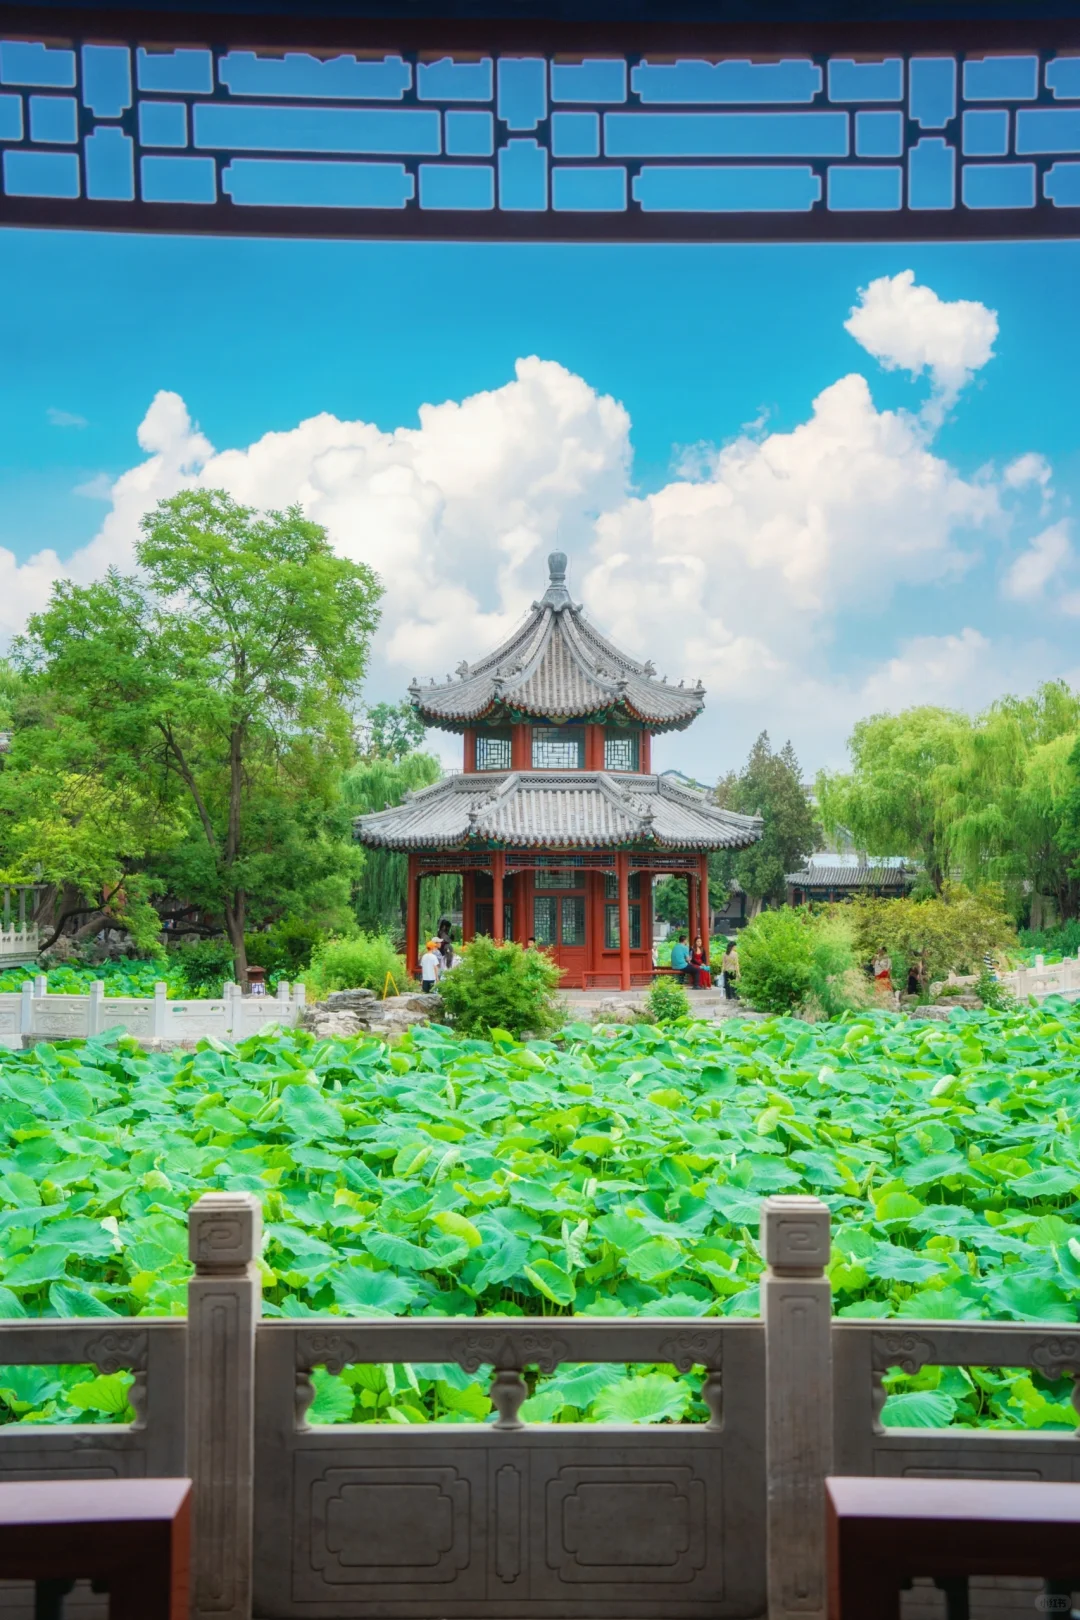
[(556, 596)]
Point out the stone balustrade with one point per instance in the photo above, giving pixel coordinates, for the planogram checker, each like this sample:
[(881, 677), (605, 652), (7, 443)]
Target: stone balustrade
[(32, 1014), (512, 1520)]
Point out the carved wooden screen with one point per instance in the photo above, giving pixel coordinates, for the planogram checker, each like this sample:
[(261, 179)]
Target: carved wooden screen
[(539, 130)]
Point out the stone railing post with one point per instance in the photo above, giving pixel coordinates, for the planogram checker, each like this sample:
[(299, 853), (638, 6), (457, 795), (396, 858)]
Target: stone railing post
[(796, 1304), (96, 1021), (224, 1239), (161, 1010), (26, 1008)]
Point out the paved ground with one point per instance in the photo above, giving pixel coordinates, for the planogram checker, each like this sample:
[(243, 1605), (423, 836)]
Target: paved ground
[(703, 1003)]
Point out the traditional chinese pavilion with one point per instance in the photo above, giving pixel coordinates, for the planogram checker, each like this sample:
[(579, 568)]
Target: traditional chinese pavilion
[(556, 823)]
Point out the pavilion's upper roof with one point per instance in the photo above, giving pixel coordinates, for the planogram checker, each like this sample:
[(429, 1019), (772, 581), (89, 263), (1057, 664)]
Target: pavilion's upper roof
[(545, 809), (557, 667)]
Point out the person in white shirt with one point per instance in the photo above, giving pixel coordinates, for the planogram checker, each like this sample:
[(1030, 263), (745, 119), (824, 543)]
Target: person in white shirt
[(430, 963)]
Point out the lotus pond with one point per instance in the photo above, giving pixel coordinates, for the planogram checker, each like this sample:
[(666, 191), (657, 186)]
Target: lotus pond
[(610, 1172)]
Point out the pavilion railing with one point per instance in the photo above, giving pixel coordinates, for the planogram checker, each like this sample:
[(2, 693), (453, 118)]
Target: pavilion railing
[(515, 1520)]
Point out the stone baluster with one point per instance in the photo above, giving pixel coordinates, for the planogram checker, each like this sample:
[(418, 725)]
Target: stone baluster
[(161, 1010), (796, 1305), (96, 1022), (224, 1239)]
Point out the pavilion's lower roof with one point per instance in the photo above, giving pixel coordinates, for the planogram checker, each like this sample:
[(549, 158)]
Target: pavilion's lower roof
[(572, 809)]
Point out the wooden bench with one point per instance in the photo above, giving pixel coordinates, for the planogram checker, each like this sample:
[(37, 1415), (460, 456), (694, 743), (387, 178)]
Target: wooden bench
[(131, 1537), (880, 1532)]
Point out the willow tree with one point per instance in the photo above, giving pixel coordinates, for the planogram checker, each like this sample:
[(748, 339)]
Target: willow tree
[(890, 800), (1003, 800), (380, 780)]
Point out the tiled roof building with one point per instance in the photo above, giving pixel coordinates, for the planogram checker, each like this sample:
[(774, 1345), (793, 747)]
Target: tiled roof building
[(557, 824)]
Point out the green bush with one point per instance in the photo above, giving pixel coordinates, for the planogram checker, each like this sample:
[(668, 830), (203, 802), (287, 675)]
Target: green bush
[(668, 1001), (1064, 940), (776, 960), (360, 962), (205, 964), (837, 985), (501, 987), (286, 949)]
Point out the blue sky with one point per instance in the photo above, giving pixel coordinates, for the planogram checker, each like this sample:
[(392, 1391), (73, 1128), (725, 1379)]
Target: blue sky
[(802, 578)]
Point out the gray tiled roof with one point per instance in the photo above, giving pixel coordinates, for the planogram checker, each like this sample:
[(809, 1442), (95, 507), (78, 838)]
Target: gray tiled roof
[(524, 809), (852, 877), (556, 666)]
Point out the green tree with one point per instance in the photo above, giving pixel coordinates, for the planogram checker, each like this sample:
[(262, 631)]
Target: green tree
[(225, 674), (1003, 801), (890, 800), (389, 731), (770, 786), (376, 783)]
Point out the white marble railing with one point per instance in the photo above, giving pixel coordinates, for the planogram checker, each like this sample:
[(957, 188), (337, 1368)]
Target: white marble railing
[(1041, 980), (19, 944), (33, 1012)]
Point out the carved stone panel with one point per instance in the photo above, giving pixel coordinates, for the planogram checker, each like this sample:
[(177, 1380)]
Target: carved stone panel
[(626, 1525), (618, 1524), (385, 1527)]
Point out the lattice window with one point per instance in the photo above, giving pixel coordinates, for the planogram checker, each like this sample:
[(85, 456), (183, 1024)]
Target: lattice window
[(622, 750), (611, 886), (493, 751), (484, 916), (558, 748), (611, 928), (560, 877), (545, 918), (573, 919)]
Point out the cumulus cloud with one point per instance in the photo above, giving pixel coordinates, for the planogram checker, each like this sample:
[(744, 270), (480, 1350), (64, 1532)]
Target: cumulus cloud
[(1044, 559), (741, 569), (909, 328)]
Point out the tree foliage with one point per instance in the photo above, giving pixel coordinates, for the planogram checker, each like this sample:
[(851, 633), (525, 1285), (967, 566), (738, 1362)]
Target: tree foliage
[(769, 785), (949, 933), (889, 800), (218, 683)]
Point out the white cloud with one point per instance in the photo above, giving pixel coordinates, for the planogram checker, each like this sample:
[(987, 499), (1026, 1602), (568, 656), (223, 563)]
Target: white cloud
[(741, 569), (1030, 468), (98, 488), (1046, 556), (909, 328), (65, 419)]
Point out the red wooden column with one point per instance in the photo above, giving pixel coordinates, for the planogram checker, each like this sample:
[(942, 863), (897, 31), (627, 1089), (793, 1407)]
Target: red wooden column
[(703, 867), (520, 748), (498, 867), (622, 872), (691, 907), (468, 907), (412, 916), (469, 753), (645, 762)]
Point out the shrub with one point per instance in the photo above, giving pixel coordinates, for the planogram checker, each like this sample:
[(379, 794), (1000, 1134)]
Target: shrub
[(776, 954), (836, 983), (502, 987), (950, 933), (205, 965), (1064, 940), (360, 962), (992, 993), (668, 1001), (285, 950)]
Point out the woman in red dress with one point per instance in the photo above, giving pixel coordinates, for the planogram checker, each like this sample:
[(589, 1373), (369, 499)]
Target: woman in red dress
[(699, 966)]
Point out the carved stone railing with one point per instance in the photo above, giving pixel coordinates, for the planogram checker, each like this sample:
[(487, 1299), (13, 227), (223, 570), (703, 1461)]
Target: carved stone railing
[(34, 1014), (792, 1395)]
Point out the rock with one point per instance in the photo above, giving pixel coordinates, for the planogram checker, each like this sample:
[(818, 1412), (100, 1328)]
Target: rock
[(940, 1011), (350, 1000), (615, 1011), (323, 1022)]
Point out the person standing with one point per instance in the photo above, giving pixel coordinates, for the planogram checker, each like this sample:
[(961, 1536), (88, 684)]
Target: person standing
[(730, 970), (699, 968), (430, 967)]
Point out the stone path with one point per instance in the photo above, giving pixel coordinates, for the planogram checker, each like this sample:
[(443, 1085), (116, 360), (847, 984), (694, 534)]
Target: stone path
[(711, 1004)]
